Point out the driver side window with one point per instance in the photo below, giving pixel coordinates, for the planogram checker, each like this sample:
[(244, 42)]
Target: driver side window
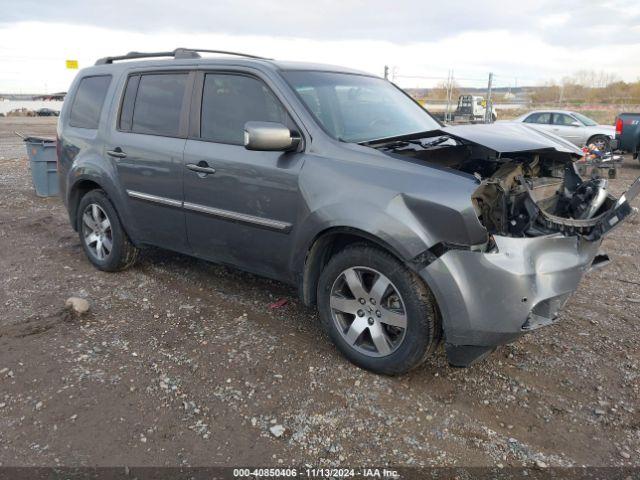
[(543, 117), (229, 101), (563, 119)]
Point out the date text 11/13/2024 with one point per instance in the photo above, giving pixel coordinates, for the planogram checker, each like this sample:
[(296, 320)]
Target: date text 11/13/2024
[(316, 473)]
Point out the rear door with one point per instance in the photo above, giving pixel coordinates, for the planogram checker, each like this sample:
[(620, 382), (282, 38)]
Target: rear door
[(242, 209), (148, 147)]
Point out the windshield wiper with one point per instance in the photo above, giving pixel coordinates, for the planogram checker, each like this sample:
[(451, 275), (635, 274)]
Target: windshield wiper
[(414, 138), (402, 141), (437, 141)]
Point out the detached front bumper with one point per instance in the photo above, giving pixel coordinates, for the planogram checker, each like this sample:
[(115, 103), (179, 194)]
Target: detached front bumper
[(489, 299)]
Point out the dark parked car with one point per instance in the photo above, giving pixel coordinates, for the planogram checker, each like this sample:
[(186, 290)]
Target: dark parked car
[(47, 112), (402, 232), (628, 133)]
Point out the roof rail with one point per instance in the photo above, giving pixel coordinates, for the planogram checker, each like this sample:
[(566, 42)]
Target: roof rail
[(178, 53)]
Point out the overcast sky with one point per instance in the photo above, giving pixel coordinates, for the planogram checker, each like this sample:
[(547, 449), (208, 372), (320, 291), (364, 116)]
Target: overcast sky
[(523, 42)]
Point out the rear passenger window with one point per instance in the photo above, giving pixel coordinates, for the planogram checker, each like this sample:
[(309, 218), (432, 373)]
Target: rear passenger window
[(158, 104), (229, 101), (88, 101)]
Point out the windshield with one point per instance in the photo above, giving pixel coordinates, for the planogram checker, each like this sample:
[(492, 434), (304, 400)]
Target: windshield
[(357, 108), (586, 120)]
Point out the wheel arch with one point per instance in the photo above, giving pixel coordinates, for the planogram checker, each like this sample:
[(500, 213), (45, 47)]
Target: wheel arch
[(324, 245), (86, 184), (595, 135), (78, 190)]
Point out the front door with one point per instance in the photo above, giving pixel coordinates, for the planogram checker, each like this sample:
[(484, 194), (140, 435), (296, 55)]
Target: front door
[(240, 205), (565, 126), (148, 147), (540, 120)]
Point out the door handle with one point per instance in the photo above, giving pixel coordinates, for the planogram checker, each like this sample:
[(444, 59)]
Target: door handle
[(116, 153), (201, 169)]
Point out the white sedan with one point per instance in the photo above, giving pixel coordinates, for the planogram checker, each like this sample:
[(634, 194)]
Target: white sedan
[(571, 126)]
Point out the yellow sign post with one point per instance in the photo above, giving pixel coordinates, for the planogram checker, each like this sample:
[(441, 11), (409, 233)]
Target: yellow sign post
[(72, 64)]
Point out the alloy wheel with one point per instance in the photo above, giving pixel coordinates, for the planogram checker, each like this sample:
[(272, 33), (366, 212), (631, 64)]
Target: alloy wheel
[(368, 311), (97, 232)]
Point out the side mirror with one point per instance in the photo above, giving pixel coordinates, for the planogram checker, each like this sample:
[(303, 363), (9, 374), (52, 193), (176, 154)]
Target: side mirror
[(576, 124), (269, 136)]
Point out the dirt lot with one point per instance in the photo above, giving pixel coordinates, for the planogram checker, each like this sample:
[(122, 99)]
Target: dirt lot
[(182, 362)]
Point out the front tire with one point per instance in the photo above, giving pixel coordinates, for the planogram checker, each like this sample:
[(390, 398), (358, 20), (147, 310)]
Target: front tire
[(379, 314), (103, 239)]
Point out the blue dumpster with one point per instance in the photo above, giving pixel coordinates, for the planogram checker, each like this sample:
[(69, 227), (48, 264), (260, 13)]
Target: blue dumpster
[(43, 160)]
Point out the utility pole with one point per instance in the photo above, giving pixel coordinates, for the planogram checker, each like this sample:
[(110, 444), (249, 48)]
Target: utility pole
[(488, 108), (386, 72), (449, 86)]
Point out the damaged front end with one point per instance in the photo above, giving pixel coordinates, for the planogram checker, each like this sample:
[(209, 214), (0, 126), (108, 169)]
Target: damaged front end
[(531, 194), (528, 184), (544, 227)]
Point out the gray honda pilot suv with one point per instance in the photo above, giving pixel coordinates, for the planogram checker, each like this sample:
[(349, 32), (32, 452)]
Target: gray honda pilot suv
[(404, 233)]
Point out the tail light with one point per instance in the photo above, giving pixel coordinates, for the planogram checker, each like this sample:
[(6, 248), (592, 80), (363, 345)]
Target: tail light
[(619, 125)]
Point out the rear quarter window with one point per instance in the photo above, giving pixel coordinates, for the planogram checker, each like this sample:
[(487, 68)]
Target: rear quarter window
[(88, 101)]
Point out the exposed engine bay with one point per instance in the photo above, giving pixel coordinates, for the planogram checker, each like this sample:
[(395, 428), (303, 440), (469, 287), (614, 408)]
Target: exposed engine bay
[(534, 195), (525, 193)]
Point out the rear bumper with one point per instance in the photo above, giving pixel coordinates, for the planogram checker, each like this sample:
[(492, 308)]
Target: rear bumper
[(489, 299)]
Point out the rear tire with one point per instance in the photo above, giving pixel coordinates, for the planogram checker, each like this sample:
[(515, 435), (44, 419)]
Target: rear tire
[(365, 298), (103, 239), (601, 141)]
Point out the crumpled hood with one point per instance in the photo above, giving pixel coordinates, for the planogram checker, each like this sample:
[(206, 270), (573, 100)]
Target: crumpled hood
[(511, 137)]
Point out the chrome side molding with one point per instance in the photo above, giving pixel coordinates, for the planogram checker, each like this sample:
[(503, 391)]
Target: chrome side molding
[(216, 212), (154, 198), (239, 217)]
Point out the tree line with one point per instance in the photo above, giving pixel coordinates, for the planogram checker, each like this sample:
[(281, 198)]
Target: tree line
[(583, 87)]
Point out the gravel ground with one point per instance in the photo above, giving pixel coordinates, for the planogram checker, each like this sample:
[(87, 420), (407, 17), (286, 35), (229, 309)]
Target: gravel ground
[(183, 362)]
